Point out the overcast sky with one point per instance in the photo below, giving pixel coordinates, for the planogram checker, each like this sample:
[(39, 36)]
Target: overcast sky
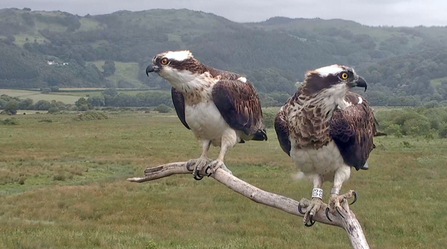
[(368, 12)]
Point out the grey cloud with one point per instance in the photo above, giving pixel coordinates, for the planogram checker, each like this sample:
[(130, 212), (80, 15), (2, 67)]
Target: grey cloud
[(378, 12)]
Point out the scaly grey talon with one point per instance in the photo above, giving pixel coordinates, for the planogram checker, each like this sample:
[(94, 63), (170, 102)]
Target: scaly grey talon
[(355, 197)]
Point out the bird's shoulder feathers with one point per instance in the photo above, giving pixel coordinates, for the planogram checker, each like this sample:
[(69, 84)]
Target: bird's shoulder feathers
[(239, 105), (352, 129)]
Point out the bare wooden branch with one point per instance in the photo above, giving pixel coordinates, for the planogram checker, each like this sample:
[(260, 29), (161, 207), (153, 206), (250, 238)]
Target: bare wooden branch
[(348, 222)]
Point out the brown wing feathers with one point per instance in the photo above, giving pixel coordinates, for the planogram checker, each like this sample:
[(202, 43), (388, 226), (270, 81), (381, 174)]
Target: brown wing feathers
[(239, 105), (282, 131), (179, 104), (352, 129)]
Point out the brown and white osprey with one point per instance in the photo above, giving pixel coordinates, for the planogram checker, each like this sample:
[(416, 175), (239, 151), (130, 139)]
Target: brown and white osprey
[(326, 130), (221, 108)]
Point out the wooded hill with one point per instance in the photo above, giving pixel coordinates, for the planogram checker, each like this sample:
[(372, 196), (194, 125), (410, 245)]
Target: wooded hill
[(404, 66)]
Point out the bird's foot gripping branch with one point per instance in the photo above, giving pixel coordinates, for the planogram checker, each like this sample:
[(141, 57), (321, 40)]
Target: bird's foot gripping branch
[(347, 220)]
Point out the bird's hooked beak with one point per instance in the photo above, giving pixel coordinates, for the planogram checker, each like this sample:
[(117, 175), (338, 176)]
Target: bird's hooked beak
[(152, 68), (360, 82)]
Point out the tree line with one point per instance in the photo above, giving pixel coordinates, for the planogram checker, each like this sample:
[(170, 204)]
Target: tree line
[(429, 121), (426, 121)]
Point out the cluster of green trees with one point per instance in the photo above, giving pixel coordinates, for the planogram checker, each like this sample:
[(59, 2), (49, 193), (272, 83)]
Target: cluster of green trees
[(10, 105), (160, 100), (112, 98), (430, 122), (415, 79)]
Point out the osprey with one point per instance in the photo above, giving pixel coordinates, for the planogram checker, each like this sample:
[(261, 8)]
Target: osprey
[(221, 108), (326, 130)]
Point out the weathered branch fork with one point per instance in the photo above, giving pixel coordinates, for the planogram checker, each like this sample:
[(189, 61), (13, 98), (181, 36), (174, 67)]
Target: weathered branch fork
[(348, 222)]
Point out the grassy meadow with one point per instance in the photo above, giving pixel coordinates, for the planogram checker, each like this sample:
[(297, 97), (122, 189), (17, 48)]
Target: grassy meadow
[(63, 185), (38, 95), (66, 95), (127, 71)]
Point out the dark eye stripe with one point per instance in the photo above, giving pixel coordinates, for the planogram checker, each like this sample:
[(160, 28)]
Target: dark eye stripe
[(349, 72)]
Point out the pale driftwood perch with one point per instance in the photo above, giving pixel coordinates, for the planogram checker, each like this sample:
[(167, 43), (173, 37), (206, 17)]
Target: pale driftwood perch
[(349, 222)]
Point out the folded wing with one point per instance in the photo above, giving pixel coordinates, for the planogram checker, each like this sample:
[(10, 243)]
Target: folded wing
[(353, 129), (239, 105)]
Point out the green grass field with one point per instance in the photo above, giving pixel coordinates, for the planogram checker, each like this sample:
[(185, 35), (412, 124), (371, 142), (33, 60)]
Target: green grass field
[(127, 71), (63, 185), (37, 95), (66, 95), (437, 82)]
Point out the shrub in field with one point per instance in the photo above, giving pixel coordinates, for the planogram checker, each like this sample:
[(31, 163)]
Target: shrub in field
[(82, 104), (53, 109), (42, 105), (11, 177), (54, 89), (26, 104), (111, 97), (11, 107), (59, 177), (151, 245), (443, 132), (416, 126), (437, 116), (46, 90), (431, 104), (96, 101), (421, 121), (45, 121), (86, 116), (2, 103), (269, 119), (393, 129), (83, 108), (406, 144), (162, 108), (9, 121)]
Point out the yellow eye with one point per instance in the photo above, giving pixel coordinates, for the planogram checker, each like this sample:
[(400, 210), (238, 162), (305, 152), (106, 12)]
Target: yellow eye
[(344, 76), (164, 61)]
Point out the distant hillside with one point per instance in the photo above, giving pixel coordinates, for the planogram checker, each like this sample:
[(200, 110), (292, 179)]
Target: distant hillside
[(405, 66)]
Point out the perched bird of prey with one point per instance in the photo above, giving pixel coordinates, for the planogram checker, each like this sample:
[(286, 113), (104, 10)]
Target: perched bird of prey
[(326, 130), (221, 108)]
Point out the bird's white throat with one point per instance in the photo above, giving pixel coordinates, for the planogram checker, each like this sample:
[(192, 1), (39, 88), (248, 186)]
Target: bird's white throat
[(333, 97), (186, 81)]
